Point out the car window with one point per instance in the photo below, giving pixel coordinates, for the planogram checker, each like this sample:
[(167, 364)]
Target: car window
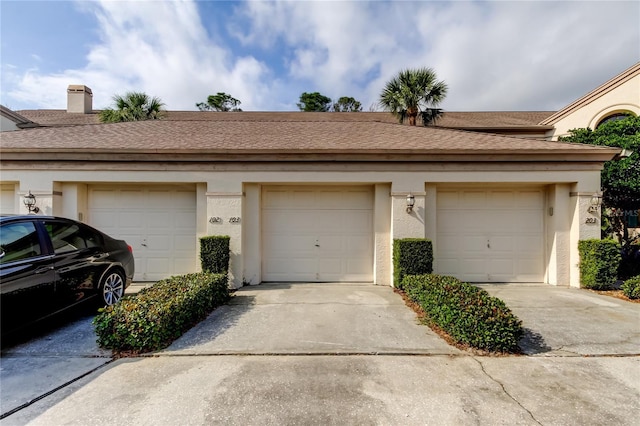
[(65, 237), (18, 241)]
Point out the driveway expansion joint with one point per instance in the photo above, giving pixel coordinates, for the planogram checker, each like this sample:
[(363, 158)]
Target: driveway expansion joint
[(54, 390)]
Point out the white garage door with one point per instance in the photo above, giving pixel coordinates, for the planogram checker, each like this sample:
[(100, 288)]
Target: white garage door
[(7, 199), (491, 235), (159, 223), (313, 234)]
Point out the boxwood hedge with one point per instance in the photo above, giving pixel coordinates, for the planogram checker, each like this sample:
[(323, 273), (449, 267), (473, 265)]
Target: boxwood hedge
[(631, 288), (411, 256), (467, 313), (214, 253), (599, 261), (157, 315)]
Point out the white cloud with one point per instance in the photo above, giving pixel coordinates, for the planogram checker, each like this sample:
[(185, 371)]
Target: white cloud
[(493, 55), (157, 47)]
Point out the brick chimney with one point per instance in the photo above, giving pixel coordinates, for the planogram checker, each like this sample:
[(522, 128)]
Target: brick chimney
[(79, 99)]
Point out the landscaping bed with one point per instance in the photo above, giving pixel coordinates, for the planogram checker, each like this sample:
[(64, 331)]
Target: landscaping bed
[(463, 314), (153, 318)]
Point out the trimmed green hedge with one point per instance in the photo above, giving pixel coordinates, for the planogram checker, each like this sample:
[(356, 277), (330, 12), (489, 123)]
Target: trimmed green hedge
[(631, 288), (467, 313), (411, 256), (157, 315), (599, 261), (214, 253)]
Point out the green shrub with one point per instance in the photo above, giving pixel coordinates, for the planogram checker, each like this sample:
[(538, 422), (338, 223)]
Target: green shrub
[(599, 261), (467, 313), (157, 315), (214, 253), (631, 288), (411, 256)]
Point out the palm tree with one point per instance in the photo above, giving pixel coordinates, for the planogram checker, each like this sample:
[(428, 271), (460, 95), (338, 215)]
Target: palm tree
[(133, 106), (414, 92)]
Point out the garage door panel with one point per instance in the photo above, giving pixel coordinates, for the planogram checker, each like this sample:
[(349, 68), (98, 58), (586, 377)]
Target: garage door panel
[(448, 199), (501, 243), (473, 265), (359, 221), (501, 199), (530, 199), (128, 219), (525, 220), (158, 223), (359, 245), (331, 266), (159, 266), (491, 235), (473, 243), (330, 239), (502, 267)]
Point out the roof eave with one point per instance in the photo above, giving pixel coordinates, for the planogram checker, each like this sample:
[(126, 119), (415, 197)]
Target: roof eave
[(595, 154)]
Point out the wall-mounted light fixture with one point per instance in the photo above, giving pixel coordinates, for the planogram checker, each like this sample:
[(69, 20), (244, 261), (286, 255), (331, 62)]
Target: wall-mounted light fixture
[(30, 202), (411, 201), (596, 202)]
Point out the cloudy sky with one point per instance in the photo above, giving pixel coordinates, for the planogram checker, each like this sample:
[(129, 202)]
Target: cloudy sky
[(503, 55)]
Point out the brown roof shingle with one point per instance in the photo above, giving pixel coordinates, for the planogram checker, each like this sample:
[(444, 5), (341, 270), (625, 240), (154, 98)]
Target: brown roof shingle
[(461, 120), (272, 136)]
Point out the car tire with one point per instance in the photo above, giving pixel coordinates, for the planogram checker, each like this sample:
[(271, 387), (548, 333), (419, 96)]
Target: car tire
[(111, 288)]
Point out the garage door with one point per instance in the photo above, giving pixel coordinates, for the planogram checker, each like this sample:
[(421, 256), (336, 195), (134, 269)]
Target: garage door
[(7, 197), (159, 223), (491, 235), (313, 234)]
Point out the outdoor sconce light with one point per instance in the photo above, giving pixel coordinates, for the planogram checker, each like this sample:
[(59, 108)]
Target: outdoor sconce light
[(596, 202), (30, 202), (411, 201)]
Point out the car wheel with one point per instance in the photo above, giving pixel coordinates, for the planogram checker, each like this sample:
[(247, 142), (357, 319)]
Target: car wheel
[(111, 288)]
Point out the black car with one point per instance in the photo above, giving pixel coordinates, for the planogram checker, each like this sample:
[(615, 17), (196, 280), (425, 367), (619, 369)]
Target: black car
[(49, 263)]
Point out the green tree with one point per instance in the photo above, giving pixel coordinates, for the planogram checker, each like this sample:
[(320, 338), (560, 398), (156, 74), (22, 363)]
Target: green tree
[(315, 101), (414, 92), (220, 102), (620, 179), (347, 104), (133, 106)]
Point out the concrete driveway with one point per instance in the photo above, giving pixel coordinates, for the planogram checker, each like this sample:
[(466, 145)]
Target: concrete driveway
[(353, 354), (562, 321)]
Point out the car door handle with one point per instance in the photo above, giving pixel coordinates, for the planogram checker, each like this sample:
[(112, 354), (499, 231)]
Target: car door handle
[(43, 269)]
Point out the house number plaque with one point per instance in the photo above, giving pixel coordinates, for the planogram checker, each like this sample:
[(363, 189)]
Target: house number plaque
[(218, 219), (591, 220)]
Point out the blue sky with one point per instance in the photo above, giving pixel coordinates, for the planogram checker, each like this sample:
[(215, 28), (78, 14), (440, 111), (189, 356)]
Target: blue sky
[(504, 55)]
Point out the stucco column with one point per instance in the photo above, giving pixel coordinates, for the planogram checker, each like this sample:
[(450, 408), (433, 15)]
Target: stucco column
[(559, 215), (430, 212), (44, 192), (252, 234), (224, 211), (383, 268), (585, 225), (408, 224)]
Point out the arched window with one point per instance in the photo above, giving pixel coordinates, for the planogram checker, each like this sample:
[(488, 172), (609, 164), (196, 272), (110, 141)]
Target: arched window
[(614, 117)]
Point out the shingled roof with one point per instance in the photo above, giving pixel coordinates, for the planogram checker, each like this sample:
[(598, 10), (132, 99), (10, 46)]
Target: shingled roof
[(226, 139), (457, 120)]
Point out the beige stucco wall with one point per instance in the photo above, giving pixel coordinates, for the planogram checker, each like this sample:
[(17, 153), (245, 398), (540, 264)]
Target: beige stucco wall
[(624, 98), (234, 192)]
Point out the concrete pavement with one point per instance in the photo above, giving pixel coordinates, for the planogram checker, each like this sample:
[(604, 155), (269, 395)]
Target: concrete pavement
[(312, 319), (353, 354), (563, 321)]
